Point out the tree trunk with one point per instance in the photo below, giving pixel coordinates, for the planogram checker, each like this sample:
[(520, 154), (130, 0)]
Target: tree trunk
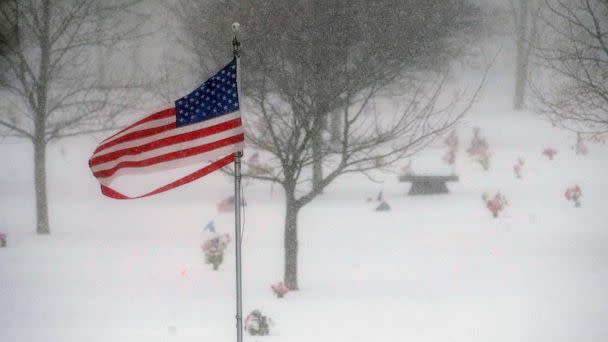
[(521, 68), (521, 73), (335, 126), (319, 63), (319, 127), (317, 157), (291, 241), (42, 213)]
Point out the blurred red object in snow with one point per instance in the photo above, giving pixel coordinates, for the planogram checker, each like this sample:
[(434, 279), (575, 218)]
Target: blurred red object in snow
[(496, 204), (452, 143), (517, 167), (574, 194), (279, 289), (549, 152)]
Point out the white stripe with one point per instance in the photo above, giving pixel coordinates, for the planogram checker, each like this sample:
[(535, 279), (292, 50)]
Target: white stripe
[(169, 149), (155, 111), (146, 125), (203, 159), (169, 133)]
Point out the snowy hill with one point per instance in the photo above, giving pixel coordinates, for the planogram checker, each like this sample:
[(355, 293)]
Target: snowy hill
[(435, 268)]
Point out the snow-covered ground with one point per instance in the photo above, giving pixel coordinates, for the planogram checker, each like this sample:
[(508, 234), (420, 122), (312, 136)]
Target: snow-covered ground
[(434, 268)]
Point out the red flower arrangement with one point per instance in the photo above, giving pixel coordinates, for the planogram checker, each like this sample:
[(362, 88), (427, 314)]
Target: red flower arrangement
[(479, 149), (2, 240), (478, 143), (496, 204), (517, 168), (549, 153), (279, 289), (214, 250), (574, 194), (452, 143)]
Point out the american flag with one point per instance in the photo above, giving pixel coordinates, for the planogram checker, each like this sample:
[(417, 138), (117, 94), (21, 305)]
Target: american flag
[(204, 127)]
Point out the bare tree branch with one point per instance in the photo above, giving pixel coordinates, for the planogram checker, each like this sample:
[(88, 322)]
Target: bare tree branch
[(575, 59)]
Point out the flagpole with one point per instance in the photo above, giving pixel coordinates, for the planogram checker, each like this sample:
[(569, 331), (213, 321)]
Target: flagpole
[(237, 201)]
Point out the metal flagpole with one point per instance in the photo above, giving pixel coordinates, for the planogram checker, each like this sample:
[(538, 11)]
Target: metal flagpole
[(237, 201)]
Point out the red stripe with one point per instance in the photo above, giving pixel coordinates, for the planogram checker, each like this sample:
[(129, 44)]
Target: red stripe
[(136, 135), (172, 156), (184, 180), (203, 132), (165, 113)]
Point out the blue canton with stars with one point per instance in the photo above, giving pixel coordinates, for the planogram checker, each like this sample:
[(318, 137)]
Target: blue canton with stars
[(216, 97)]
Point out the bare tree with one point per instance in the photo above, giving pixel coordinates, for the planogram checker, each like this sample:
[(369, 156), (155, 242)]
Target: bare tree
[(308, 61), (525, 21), (574, 57), (51, 88), (6, 39)]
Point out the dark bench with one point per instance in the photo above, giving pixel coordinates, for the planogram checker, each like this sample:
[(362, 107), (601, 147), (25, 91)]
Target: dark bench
[(428, 185)]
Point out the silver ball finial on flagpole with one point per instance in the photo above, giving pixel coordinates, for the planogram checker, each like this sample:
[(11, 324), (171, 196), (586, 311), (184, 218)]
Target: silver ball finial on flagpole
[(236, 27)]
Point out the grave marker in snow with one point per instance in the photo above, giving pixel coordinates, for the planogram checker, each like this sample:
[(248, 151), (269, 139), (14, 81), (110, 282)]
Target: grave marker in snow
[(428, 185)]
